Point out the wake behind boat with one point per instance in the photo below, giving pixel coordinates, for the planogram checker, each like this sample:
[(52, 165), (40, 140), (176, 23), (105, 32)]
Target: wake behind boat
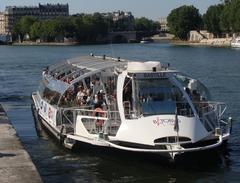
[(142, 107)]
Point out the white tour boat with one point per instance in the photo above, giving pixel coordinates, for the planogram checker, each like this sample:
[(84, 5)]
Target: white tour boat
[(142, 107), (235, 43)]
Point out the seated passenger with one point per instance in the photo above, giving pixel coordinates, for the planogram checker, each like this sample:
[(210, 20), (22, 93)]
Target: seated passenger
[(188, 91), (195, 96), (97, 86), (127, 95), (45, 71), (101, 98), (80, 95), (98, 112)]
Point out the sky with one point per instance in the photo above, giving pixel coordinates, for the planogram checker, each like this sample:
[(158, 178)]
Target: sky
[(152, 9)]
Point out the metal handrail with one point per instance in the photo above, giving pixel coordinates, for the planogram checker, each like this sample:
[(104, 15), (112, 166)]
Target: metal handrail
[(90, 111)]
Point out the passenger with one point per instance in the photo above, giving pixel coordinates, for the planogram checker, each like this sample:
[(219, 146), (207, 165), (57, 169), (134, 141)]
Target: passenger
[(149, 98), (67, 80), (98, 112), (101, 99), (113, 101), (195, 96), (45, 71), (204, 107), (110, 86), (97, 86), (92, 83), (88, 97), (80, 95), (196, 99), (67, 98), (127, 94)]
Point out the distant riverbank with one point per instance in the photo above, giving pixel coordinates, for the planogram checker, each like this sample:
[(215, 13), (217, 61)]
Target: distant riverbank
[(215, 42), (29, 43)]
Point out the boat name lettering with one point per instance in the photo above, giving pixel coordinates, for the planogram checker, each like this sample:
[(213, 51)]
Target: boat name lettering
[(151, 75), (50, 113), (164, 122), (45, 108)]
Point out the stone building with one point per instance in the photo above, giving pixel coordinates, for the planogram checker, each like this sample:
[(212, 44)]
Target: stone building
[(197, 36), (119, 15), (43, 12), (163, 24), (2, 23)]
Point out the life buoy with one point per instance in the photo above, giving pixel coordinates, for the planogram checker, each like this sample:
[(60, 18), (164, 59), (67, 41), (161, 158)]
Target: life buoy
[(98, 112)]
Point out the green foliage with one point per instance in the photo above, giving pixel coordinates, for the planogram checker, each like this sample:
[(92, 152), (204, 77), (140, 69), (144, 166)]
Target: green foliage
[(144, 24), (17, 33), (212, 19), (83, 28), (224, 20), (184, 19), (223, 17), (146, 27), (23, 26), (90, 28), (232, 10), (36, 31)]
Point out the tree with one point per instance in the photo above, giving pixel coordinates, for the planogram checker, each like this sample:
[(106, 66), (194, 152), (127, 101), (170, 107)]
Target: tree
[(184, 19), (224, 20), (212, 19), (233, 8), (22, 26), (48, 31), (26, 22), (230, 21), (146, 27), (36, 31), (17, 33)]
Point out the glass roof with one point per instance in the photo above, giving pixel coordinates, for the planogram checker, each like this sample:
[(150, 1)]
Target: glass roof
[(75, 69)]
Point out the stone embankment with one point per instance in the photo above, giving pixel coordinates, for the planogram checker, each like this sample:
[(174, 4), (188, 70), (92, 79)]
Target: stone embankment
[(215, 42), (15, 163), (225, 42)]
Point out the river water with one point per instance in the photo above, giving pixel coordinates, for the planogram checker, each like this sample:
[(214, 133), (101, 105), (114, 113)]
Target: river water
[(217, 68)]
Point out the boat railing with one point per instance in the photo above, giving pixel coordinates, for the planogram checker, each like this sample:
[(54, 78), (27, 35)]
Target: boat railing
[(202, 108), (94, 121), (210, 113)]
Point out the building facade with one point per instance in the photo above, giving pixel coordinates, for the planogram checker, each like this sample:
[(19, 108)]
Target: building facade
[(163, 24), (120, 15), (2, 23), (42, 12)]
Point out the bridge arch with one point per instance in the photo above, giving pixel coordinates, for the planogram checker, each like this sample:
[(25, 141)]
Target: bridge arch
[(119, 39)]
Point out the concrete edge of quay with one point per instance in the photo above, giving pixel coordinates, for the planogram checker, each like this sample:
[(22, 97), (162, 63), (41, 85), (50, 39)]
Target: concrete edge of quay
[(15, 163)]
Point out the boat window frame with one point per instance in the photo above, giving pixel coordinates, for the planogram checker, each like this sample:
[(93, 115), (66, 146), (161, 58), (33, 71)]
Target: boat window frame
[(182, 102), (166, 98), (43, 89)]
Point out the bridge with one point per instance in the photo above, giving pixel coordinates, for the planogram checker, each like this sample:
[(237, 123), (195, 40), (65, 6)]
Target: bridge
[(122, 37)]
